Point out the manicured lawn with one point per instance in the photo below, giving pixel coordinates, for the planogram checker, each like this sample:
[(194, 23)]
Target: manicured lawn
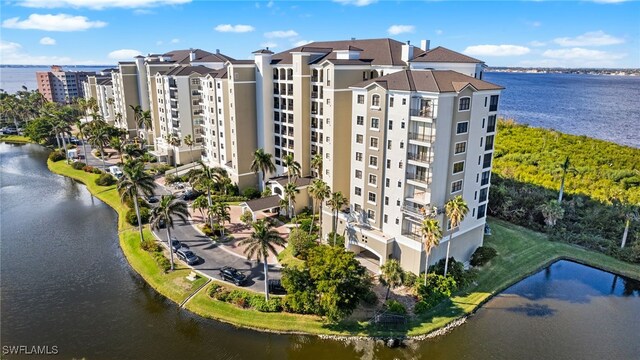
[(521, 252), (285, 257), (15, 138)]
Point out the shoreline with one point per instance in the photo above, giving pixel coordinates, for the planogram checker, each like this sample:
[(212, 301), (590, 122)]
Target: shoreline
[(230, 314)]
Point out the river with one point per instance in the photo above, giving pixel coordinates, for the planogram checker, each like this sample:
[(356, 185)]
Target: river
[(65, 283)]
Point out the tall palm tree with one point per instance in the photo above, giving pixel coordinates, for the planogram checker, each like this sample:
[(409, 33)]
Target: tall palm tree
[(290, 191), (137, 115), (392, 275), (262, 242), (188, 140), (316, 164), (133, 183), (631, 213), (337, 201), (293, 167), (205, 178), (99, 138), (117, 144), (167, 208), (262, 162), (565, 167), (82, 135), (200, 204), (174, 141), (319, 191), (455, 209), (222, 212), (431, 235)]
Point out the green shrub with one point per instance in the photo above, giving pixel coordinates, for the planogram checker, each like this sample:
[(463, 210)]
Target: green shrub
[(214, 289), (222, 295), (266, 192), (246, 217), (456, 270), (251, 193), (150, 246), (162, 261), (395, 307), (141, 202), (306, 224), (88, 169), (339, 240), (56, 156), (370, 299), (239, 298), (482, 255), (303, 302), (206, 229), (409, 279), (438, 289), (97, 171), (132, 219), (259, 303), (78, 165), (300, 243), (105, 180)]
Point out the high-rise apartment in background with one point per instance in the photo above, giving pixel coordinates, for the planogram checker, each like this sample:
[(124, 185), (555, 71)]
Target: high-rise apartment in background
[(61, 86)]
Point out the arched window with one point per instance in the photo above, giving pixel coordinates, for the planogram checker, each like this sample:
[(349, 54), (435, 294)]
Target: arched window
[(275, 74), (375, 100), (290, 74)]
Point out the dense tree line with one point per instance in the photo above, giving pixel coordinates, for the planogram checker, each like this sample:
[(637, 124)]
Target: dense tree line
[(601, 188)]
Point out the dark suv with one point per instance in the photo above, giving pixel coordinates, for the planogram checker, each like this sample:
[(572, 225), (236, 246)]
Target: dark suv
[(187, 256), (232, 275)]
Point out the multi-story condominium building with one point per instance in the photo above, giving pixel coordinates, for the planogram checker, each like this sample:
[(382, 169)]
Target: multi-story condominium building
[(99, 87), (419, 138), (61, 86)]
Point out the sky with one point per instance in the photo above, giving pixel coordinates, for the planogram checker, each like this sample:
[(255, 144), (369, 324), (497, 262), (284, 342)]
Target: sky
[(594, 33)]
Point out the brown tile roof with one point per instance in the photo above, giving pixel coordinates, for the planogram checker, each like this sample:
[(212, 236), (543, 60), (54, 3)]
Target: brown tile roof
[(377, 51), (218, 57), (233, 61), (441, 54), (184, 56), (440, 81), (264, 203), (263, 51), (188, 70), (300, 181)]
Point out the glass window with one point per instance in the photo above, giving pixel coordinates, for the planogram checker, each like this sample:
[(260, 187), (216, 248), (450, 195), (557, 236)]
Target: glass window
[(373, 180), (483, 194), (358, 174), (358, 191), (481, 211), (486, 161), (462, 127), (486, 175), (458, 167), (488, 145), (359, 138), (456, 186), (372, 197), (360, 120), (373, 142), (371, 214), (358, 156), (391, 102), (360, 99), (493, 104), (373, 161), (375, 123), (461, 147), (464, 104), (375, 100)]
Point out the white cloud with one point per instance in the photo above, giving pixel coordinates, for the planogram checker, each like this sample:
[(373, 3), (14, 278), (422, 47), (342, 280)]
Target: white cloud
[(123, 54), (534, 23), (49, 22), (99, 4), (47, 41), (400, 29), (609, 1), (593, 38), (581, 53), (356, 2), (577, 58), (234, 28), (537, 43), (175, 41), (270, 4), (439, 32), (269, 44), (12, 53), (280, 34), (302, 42), (159, 42), (496, 50)]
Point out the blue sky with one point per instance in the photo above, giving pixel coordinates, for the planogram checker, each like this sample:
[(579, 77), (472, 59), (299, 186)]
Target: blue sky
[(601, 33)]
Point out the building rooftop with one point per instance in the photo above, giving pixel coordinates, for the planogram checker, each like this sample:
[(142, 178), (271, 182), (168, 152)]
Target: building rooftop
[(440, 54), (439, 81), (188, 70), (299, 181)]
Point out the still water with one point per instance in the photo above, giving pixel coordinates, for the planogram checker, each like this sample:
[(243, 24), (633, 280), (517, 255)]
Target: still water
[(599, 106), (64, 282)]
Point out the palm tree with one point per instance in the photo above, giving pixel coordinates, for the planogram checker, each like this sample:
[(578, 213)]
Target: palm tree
[(565, 167), (174, 141), (262, 162), (188, 140), (293, 167), (319, 191), (630, 214), (134, 182), (392, 275), (336, 202), (82, 135), (456, 209), (118, 119), (98, 137), (221, 211), (169, 207), (290, 191), (200, 204), (552, 212), (262, 242), (117, 144), (431, 235), (206, 177), (316, 164), (137, 115)]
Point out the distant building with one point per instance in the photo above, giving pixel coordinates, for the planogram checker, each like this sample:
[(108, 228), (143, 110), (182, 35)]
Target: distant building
[(61, 86)]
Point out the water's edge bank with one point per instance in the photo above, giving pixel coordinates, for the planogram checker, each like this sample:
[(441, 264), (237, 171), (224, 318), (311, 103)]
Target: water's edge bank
[(440, 322)]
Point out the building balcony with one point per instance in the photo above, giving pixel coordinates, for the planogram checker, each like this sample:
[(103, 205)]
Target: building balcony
[(420, 157), (422, 137), (412, 210), (420, 179), (422, 112), (314, 94), (175, 124)]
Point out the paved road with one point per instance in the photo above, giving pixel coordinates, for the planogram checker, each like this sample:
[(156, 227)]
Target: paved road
[(212, 256)]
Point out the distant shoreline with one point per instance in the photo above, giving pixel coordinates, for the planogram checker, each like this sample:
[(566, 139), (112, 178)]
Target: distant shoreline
[(70, 66), (605, 72)]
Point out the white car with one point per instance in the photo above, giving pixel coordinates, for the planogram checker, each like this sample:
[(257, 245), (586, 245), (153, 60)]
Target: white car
[(115, 171)]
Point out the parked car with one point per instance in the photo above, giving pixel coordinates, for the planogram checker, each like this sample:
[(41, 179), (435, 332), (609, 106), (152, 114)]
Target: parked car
[(187, 256), (190, 195), (10, 131), (275, 287), (115, 171), (175, 245), (232, 275)]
